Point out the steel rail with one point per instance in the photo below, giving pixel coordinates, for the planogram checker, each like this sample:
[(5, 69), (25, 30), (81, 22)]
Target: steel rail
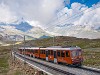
[(50, 67), (65, 69)]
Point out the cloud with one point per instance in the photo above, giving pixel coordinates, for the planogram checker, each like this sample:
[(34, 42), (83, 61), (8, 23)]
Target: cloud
[(90, 17), (37, 10), (70, 15), (79, 14), (35, 24), (6, 15)]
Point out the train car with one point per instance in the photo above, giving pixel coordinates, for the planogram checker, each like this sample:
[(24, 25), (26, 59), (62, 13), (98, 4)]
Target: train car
[(70, 55), (67, 55), (30, 51), (25, 50)]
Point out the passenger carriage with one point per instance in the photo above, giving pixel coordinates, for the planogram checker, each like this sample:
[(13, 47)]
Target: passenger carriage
[(30, 51), (67, 55)]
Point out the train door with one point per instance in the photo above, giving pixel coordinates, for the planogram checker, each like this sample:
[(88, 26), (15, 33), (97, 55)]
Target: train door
[(67, 57), (46, 55), (26, 52), (58, 56), (31, 52), (55, 56), (50, 55), (63, 58), (37, 53)]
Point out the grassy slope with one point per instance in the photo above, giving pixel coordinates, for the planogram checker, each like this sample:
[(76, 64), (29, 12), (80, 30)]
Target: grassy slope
[(92, 57), (6, 66), (66, 41), (4, 56)]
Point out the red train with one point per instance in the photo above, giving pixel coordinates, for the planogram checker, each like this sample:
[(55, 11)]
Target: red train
[(67, 55)]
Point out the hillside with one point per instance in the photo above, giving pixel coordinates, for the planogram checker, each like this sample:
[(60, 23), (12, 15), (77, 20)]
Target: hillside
[(65, 41)]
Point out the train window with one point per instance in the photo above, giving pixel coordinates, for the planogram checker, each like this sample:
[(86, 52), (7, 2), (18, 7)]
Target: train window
[(36, 51), (75, 53), (54, 54), (28, 50), (67, 54), (48, 52), (32, 51), (58, 53), (62, 54), (80, 53), (40, 51), (44, 51), (51, 52)]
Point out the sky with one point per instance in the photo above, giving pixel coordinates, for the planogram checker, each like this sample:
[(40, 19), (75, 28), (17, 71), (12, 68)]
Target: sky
[(51, 13), (37, 10), (88, 3)]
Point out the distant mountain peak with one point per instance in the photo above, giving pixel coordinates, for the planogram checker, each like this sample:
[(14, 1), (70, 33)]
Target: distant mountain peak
[(23, 26), (44, 36)]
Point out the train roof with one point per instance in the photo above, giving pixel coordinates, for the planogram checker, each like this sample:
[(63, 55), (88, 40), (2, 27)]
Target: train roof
[(69, 48), (29, 47), (53, 48)]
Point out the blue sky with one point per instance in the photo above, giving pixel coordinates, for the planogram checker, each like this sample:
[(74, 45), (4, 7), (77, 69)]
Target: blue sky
[(88, 3)]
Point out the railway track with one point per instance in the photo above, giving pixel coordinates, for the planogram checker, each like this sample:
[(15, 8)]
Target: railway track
[(55, 69)]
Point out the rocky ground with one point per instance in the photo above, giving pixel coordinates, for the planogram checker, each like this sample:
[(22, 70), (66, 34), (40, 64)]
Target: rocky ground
[(11, 66), (17, 67)]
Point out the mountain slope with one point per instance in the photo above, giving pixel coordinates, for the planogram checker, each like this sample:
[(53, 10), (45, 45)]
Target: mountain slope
[(78, 31), (21, 29)]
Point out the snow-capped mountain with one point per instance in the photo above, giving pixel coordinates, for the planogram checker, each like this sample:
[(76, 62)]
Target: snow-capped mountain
[(19, 30), (79, 31), (31, 32)]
